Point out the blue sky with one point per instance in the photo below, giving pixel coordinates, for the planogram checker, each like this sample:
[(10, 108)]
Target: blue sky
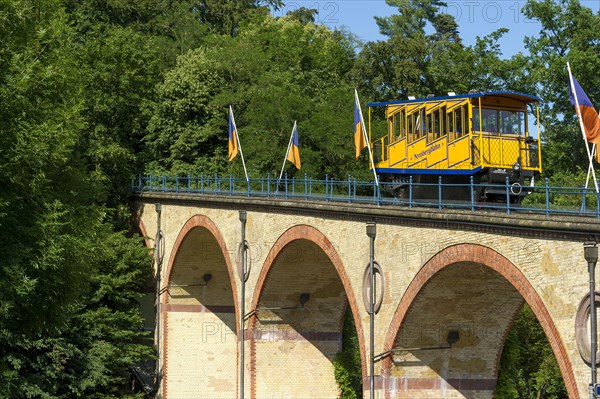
[(475, 18)]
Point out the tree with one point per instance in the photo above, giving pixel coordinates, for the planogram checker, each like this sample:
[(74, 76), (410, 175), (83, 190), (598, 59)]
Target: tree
[(528, 368), (412, 61), (569, 33), (225, 17), (116, 46), (303, 14), (424, 54), (270, 84), (62, 332)]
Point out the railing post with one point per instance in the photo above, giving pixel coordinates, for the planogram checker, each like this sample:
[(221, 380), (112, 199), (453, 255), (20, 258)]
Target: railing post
[(140, 183), (230, 184), (305, 187), (374, 191), (293, 186), (354, 190), (310, 187), (176, 183), (202, 184), (330, 187), (471, 180), (440, 192), (326, 188), (583, 200), (547, 197), (410, 190), (269, 185), (286, 185), (164, 183), (189, 183), (248, 185), (349, 189), (598, 200), (507, 196), (217, 184)]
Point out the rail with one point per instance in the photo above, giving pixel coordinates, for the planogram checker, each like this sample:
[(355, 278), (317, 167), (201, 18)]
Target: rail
[(543, 199)]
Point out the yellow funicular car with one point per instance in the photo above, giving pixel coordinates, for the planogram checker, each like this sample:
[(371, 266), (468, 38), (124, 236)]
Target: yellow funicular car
[(453, 138)]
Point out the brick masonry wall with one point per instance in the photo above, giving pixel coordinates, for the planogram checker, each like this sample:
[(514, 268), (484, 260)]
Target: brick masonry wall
[(200, 350), (304, 338), (548, 272), (474, 301)]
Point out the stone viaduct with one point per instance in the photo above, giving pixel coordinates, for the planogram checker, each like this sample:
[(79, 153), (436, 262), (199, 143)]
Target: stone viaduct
[(445, 271)]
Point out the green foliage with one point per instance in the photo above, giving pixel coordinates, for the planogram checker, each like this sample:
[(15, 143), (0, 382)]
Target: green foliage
[(119, 68), (569, 33), (225, 17), (414, 62), (561, 198), (528, 368), (347, 364), (62, 332), (303, 14), (270, 84)]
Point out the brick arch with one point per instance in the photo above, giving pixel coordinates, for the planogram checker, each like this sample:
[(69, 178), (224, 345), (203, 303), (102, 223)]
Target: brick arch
[(203, 222), (490, 258), (312, 234), (196, 221)]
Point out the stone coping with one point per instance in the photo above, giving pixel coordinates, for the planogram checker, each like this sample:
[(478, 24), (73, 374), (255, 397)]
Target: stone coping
[(523, 222)]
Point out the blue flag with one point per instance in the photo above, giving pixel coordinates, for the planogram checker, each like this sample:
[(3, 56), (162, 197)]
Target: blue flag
[(294, 153), (233, 142), (359, 136)]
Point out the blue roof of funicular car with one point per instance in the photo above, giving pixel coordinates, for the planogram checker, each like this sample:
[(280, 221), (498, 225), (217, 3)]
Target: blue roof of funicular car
[(515, 95)]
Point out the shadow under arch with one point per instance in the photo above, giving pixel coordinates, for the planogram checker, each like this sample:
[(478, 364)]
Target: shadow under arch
[(201, 319), (303, 236), (484, 257)]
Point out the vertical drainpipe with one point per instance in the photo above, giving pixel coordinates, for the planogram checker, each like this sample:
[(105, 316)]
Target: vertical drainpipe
[(371, 232), (591, 256), (158, 259), (243, 276)]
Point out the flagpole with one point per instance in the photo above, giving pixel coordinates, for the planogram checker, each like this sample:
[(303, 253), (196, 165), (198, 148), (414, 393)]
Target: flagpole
[(590, 166), (237, 137), (582, 127), (287, 152), (362, 125)]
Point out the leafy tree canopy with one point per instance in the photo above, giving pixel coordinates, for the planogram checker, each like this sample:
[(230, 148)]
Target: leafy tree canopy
[(569, 33), (270, 84), (62, 332)]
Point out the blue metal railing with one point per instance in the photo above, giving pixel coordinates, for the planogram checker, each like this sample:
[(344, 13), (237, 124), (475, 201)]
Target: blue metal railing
[(545, 199)]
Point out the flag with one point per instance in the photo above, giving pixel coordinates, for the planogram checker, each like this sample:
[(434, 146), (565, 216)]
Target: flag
[(588, 116), (359, 135), (294, 152), (233, 141)]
